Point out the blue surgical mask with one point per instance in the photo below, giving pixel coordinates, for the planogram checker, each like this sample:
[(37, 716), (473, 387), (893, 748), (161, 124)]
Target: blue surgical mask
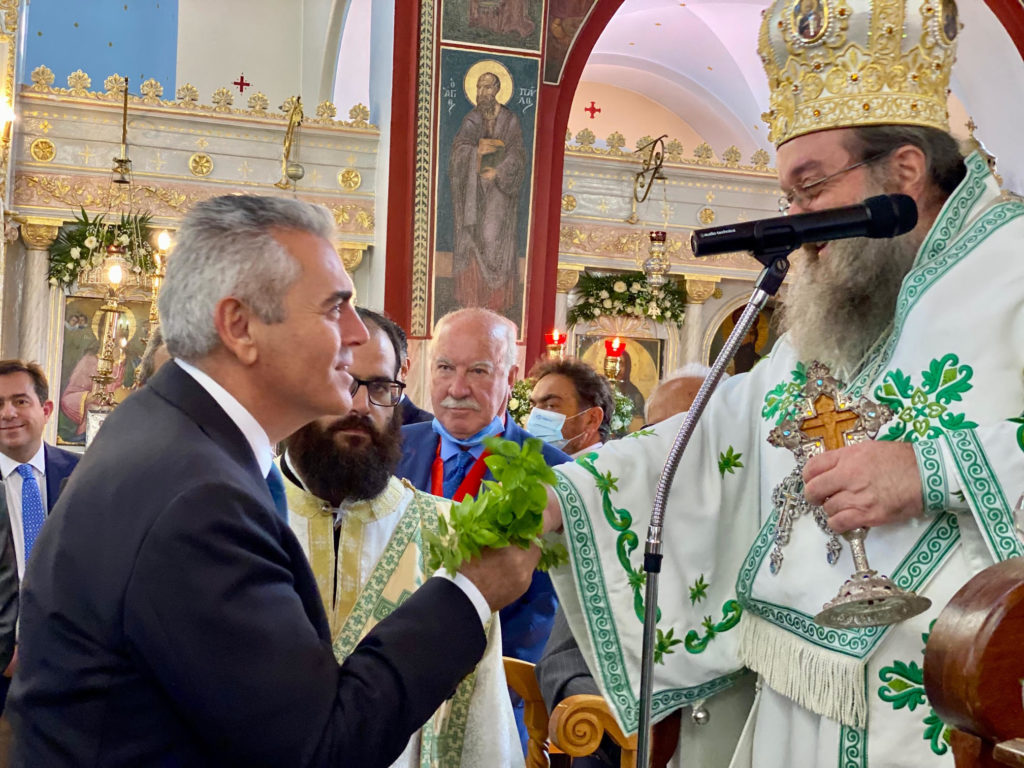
[(547, 425), (496, 427)]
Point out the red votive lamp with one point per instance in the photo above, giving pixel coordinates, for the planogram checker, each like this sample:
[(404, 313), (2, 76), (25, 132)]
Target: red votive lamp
[(614, 347)]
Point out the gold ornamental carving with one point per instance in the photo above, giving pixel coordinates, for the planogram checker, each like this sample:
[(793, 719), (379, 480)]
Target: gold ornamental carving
[(186, 98), (566, 280), (350, 179), (568, 203), (43, 150), (201, 164), (699, 291), (706, 216), (351, 255), (38, 237)]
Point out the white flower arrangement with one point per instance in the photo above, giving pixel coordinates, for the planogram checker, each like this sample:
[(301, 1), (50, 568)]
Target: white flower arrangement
[(83, 244), (626, 295)]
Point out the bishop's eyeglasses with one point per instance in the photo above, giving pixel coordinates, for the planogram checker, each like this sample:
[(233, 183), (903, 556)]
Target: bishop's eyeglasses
[(383, 392), (802, 194)]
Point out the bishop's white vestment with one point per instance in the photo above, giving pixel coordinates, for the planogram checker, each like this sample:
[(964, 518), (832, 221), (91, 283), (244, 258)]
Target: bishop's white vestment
[(951, 367)]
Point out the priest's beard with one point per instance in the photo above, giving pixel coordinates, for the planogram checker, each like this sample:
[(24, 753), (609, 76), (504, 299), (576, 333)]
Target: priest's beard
[(336, 468), (840, 303)]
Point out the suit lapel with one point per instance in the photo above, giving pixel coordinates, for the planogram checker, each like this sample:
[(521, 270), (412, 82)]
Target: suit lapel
[(182, 391), (58, 468)]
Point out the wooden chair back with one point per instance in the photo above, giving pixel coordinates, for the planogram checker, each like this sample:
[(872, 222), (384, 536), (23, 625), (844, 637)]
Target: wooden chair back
[(973, 667)]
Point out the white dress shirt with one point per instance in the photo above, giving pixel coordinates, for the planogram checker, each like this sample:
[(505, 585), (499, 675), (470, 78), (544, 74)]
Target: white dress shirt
[(254, 434), (12, 487)]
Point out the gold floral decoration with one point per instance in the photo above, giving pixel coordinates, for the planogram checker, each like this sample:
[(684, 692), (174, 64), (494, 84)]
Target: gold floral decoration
[(615, 142), (42, 77), (223, 99), (732, 156), (586, 138), (674, 151), (289, 104), (364, 220), (114, 84), (643, 141), (43, 150), (258, 102), (187, 94), (325, 110), (200, 164), (359, 115), (706, 216), (79, 83), (703, 152), (568, 202), (760, 159), (568, 136), (151, 90), (349, 179)]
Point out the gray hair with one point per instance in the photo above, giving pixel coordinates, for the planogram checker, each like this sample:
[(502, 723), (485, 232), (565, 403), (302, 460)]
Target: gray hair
[(499, 326), (691, 371), (226, 247)]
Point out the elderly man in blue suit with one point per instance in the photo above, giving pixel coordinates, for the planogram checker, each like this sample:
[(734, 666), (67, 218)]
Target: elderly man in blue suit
[(33, 474), (472, 359)]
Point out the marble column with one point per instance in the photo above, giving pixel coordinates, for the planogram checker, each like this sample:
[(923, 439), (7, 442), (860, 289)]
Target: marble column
[(35, 293), (698, 291), (564, 282)]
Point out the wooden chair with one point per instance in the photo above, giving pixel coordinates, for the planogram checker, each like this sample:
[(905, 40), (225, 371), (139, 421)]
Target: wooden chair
[(577, 725), (973, 668)]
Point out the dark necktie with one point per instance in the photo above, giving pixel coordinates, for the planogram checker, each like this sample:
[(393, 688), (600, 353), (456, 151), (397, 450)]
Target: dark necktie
[(32, 513), (463, 461), (276, 485)]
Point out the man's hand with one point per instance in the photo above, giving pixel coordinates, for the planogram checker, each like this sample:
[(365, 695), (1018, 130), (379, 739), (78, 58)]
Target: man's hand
[(865, 485), (502, 575), (552, 513)]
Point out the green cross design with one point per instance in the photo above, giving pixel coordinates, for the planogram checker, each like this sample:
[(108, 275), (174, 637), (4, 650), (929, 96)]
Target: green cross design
[(923, 411)]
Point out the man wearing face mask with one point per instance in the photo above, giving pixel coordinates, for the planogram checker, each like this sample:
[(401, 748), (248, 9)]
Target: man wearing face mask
[(472, 359), (572, 406)]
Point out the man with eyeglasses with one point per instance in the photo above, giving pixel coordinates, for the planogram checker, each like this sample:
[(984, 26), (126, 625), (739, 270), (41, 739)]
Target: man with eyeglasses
[(929, 324), (360, 527)]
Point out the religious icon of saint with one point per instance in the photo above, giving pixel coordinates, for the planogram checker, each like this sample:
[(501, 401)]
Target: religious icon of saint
[(487, 167), (809, 19), (950, 19)]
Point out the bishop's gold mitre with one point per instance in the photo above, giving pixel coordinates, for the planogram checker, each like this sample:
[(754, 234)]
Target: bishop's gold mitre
[(844, 63)]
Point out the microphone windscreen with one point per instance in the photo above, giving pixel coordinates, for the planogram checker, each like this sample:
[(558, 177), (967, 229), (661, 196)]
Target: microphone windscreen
[(891, 215)]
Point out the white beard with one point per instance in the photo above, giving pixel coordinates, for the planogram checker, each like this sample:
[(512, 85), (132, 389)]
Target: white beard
[(840, 304)]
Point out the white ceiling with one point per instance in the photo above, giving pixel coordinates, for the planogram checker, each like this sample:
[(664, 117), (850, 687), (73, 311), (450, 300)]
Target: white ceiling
[(699, 59)]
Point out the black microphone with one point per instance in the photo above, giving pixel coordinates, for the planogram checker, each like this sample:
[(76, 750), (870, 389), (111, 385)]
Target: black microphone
[(880, 216)]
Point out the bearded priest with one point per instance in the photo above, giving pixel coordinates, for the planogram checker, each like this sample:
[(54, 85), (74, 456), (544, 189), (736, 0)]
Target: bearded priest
[(362, 530), (929, 324)]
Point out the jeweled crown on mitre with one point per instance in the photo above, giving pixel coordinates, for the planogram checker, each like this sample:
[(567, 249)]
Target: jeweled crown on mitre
[(844, 63)]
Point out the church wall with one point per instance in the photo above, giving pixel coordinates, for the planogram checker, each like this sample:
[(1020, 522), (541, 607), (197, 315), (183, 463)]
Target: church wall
[(182, 152), (264, 39), (628, 113), (137, 39)]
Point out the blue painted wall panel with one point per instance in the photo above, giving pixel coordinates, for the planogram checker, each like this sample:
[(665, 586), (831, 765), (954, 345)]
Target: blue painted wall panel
[(136, 38)]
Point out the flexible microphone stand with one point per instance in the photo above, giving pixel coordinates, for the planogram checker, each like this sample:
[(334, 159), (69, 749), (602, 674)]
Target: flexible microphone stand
[(767, 284)]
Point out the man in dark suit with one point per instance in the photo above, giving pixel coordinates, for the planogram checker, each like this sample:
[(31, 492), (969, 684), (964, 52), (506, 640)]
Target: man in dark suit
[(472, 360), (33, 473), (411, 413), (169, 616)]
